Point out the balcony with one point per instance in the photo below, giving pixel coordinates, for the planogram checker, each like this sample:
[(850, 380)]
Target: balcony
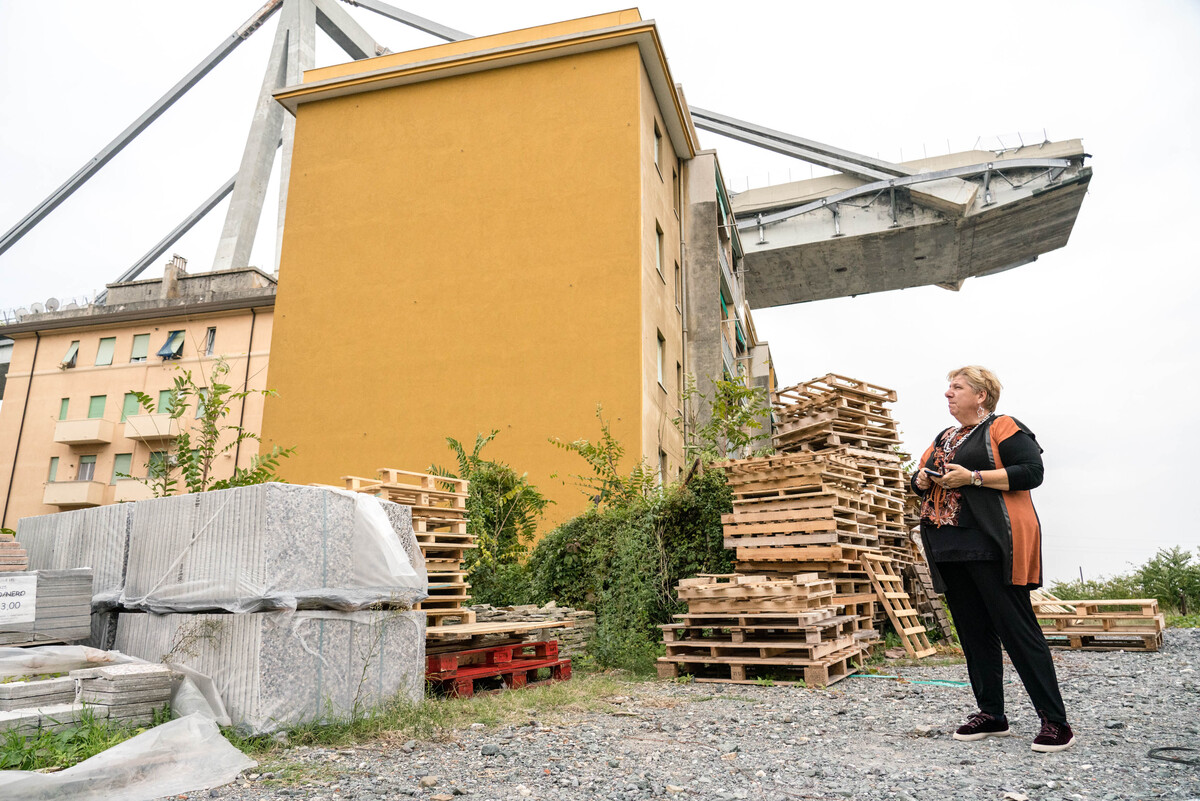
[(130, 489), (74, 493), (146, 427), (83, 432), (727, 357)]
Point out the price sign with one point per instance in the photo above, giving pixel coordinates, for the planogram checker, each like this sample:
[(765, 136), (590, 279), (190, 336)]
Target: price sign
[(18, 599)]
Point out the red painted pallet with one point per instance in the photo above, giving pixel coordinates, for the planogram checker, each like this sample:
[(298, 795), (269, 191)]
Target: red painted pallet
[(456, 672)]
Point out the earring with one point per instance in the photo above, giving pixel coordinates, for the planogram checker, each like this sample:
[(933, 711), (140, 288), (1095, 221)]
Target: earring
[(981, 412)]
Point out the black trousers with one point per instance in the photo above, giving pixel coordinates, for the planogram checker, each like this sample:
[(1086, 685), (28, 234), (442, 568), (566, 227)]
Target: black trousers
[(988, 612)]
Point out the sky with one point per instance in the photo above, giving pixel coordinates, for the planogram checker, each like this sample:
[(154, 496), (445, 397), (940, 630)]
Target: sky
[(1096, 343)]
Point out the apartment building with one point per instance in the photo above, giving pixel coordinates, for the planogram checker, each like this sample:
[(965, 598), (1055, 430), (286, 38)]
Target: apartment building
[(70, 424), (501, 233)]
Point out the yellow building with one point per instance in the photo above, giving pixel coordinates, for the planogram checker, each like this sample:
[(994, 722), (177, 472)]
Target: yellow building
[(490, 234), (69, 423)]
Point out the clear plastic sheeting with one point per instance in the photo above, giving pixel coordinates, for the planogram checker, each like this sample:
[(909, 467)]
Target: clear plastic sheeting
[(181, 756), (55, 659), (97, 538), (272, 547), (192, 693), (277, 669)]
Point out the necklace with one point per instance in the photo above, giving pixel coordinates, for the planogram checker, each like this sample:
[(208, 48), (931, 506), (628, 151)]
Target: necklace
[(961, 435)]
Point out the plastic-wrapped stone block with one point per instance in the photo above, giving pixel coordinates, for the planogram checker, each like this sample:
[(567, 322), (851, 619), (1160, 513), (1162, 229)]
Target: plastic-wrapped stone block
[(272, 546), (278, 669), (97, 538), (62, 605)]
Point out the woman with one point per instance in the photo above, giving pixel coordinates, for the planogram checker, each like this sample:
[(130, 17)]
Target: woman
[(983, 542)]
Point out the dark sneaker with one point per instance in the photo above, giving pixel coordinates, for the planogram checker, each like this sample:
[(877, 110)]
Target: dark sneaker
[(981, 725), (1053, 737)]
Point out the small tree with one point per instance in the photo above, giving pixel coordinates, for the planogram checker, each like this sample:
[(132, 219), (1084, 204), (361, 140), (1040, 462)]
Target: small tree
[(733, 424), (503, 511), (191, 454), (608, 485)]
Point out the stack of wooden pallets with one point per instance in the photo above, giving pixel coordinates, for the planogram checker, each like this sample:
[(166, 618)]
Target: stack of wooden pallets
[(803, 513), (845, 416), (439, 517), (1129, 624), (13, 558), (835, 493), (754, 629)]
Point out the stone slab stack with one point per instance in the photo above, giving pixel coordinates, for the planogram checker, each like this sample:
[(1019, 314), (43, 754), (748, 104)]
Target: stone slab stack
[(572, 639), (267, 547), (62, 603), (97, 538), (36, 692), (276, 669), (131, 692)]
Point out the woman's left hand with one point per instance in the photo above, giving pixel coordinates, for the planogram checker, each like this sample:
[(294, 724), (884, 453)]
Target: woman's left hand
[(955, 476)]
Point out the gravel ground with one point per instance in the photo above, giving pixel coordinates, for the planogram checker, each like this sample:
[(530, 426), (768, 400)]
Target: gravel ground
[(865, 738)]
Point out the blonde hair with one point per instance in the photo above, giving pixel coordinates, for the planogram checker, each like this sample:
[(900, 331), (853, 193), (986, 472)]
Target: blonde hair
[(981, 379)]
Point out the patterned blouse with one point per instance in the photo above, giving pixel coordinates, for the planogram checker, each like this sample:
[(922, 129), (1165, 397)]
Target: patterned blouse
[(942, 506)]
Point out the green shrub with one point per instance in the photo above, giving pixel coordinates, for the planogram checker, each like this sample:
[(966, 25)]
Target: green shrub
[(1171, 576), (624, 561)]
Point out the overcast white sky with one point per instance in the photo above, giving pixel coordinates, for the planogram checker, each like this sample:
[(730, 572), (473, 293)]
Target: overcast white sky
[(1096, 343)]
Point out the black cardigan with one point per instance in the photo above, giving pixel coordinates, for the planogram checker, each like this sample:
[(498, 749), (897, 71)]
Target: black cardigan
[(1000, 442)]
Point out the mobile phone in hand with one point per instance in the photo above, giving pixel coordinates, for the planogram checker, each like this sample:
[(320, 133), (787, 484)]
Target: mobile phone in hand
[(931, 472)]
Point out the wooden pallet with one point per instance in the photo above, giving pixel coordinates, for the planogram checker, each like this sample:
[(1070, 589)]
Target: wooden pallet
[(457, 672), (1121, 641), (889, 588), (749, 670), (928, 602)]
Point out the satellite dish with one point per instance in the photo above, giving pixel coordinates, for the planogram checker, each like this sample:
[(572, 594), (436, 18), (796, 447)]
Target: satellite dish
[(37, 308), (51, 304), (22, 312), (70, 305)]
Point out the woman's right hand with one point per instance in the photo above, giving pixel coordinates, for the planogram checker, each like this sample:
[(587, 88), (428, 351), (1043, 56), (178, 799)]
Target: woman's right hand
[(923, 481)]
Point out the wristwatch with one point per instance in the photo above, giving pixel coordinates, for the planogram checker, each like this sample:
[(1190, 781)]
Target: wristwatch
[(976, 479)]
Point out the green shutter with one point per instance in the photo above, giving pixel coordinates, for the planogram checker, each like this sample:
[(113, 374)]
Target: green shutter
[(96, 407), (157, 466), (121, 466), (62, 408), (129, 406), (166, 400), (141, 348), (53, 468), (104, 354)]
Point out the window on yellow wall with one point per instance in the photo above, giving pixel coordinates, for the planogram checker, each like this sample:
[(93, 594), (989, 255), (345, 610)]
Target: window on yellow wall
[(658, 143), (141, 348), (87, 468), (675, 189), (104, 354), (679, 379), (210, 341), (122, 467), (678, 289), (63, 406), (129, 406), (662, 467), (658, 250), (662, 357), (96, 406), (72, 354), (53, 476)]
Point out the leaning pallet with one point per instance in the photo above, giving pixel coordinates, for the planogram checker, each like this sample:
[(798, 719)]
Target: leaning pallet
[(1128, 624), (905, 620), (439, 517), (752, 629)]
